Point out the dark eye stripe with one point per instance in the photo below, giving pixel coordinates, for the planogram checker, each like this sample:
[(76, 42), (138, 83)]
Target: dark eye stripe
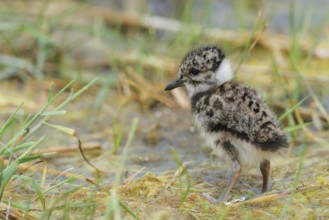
[(194, 71)]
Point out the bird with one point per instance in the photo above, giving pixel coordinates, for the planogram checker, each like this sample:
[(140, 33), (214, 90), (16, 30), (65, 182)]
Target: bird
[(233, 117)]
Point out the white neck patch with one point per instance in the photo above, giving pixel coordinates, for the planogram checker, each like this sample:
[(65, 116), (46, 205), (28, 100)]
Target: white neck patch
[(192, 90), (224, 72)]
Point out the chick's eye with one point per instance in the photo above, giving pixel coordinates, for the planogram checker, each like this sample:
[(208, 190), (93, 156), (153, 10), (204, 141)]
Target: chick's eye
[(194, 71)]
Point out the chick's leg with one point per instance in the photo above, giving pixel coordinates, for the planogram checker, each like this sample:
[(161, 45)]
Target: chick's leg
[(265, 167), (236, 171)]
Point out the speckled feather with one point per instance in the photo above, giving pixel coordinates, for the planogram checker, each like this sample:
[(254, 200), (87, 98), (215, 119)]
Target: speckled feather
[(239, 110), (233, 117)]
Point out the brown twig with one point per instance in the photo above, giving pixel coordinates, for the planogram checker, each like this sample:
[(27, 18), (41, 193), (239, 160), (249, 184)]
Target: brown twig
[(145, 89), (64, 150), (132, 177), (83, 154), (274, 196), (25, 167), (10, 212)]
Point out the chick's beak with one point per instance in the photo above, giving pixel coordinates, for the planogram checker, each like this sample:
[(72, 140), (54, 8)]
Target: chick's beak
[(174, 84)]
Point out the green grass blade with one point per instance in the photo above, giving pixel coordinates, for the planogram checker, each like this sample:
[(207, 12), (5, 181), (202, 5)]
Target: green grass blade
[(48, 212), (298, 175), (68, 180), (126, 150), (7, 174), (17, 148), (30, 149), (75, 95), (59, 107), (114, 203), (296, 127), (289, 111), (60, 128), (125, 207), (51, 100), (36, 188), (52, 113), (28, 159), (51, 92), (183, 193), (10, 120)]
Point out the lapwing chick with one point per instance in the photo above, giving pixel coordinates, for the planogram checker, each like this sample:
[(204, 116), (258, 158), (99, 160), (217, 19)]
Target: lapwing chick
[(233, 118)]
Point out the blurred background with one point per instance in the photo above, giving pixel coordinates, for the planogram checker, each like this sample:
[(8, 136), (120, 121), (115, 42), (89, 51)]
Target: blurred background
[(139, 142)]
